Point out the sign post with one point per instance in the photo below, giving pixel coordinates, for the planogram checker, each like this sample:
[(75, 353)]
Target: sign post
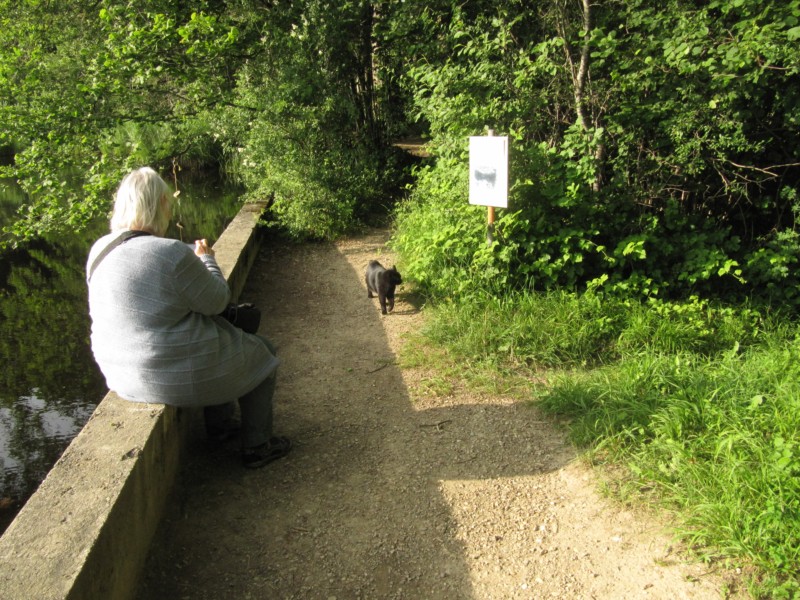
[(488, 175)]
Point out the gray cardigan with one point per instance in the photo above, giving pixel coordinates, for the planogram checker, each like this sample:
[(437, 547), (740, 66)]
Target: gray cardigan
[(155, 335)]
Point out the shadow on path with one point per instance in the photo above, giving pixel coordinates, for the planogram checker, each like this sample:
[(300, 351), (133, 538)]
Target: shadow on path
[(358, 509)]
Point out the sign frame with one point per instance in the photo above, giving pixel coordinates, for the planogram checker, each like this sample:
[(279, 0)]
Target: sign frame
[(488, 171)]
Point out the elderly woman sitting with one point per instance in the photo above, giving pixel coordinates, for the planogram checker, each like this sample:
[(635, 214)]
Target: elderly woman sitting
[(156, 335)]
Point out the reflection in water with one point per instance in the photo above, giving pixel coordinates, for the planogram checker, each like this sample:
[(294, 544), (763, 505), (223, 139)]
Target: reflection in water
[(49, 384)]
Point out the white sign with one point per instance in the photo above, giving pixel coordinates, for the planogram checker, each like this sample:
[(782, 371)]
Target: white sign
[(488, 171)]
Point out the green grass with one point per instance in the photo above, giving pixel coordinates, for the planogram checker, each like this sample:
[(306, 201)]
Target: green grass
[(699, 405)]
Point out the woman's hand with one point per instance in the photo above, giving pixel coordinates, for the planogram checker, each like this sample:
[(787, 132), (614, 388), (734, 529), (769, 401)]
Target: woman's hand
[(201, 247)]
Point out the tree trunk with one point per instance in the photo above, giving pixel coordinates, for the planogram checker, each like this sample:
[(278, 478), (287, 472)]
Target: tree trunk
[(366, 76), (580, 77)]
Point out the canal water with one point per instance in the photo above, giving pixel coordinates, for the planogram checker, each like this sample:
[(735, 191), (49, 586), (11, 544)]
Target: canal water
[(49, 383)]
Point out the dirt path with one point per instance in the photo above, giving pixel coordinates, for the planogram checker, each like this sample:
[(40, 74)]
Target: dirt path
[(392, 491)]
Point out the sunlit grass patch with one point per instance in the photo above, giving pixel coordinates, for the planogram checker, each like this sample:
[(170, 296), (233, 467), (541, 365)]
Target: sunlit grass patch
[(718, 439), (690, 406), (453, 371)]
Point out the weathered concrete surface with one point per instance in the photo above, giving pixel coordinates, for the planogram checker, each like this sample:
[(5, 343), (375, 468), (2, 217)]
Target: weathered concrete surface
[(86, 531), (237, 247), (82, 533)]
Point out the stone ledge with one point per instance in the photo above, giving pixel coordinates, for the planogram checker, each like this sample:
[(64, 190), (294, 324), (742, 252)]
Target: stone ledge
[(86, 531)]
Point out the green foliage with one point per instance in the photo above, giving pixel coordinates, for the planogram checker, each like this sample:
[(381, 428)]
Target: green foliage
[(307, 129), (303, 134), (652, 150), (717, 439), (78, 80), (301, 155), (526, 330), (670, 172), (564, 330), (289, 104), (434, 235)]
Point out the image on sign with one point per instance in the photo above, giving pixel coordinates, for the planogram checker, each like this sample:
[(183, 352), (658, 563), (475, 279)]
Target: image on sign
[(485, 177)]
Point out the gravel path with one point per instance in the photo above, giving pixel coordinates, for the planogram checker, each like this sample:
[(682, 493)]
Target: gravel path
[(397, 488)]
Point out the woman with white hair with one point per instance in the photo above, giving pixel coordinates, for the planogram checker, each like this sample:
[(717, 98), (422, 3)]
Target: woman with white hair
[(156, 334)]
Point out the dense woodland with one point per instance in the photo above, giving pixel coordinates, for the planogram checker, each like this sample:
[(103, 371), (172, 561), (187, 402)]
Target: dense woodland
[(654, 146), (654, 177)]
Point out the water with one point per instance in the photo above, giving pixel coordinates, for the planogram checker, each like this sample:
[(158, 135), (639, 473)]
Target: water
[(49, 384)]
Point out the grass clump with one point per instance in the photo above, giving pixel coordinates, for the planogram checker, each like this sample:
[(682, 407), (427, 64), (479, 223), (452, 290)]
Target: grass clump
[(699, 403)]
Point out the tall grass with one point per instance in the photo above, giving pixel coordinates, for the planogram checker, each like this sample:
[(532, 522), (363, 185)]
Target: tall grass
[(560, 329), (700, 404)]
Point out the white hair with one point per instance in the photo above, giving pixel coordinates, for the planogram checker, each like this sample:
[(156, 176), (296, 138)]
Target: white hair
[(142, 202)]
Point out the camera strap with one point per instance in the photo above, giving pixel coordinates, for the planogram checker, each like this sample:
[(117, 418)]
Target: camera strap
[(124, 237)]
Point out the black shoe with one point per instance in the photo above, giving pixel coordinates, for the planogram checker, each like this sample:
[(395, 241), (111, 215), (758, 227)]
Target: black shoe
[(275, 448)]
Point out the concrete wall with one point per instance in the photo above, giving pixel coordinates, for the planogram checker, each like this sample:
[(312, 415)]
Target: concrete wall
[(86, 531)]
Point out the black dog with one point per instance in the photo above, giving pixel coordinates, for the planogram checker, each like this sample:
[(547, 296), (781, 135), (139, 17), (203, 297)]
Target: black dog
[(382, 282)]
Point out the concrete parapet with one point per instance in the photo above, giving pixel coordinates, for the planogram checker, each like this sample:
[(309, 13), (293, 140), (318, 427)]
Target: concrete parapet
[(237, 247), (86, 531)]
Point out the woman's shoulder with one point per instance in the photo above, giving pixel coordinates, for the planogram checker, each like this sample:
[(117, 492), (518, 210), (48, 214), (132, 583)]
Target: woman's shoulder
[(101, 244), (105, 240), (174, 250), (164, 242), (167, 248)]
